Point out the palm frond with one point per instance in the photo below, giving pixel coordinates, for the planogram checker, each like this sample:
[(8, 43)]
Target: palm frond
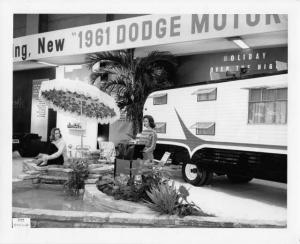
[(163, 59), (116, 85), (116, 72), (120, 57), (131, 80)]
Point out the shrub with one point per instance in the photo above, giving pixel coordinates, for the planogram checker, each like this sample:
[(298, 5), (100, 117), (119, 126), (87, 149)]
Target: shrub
[(126, 188), (76, 180), (166, 199), (152, 187)]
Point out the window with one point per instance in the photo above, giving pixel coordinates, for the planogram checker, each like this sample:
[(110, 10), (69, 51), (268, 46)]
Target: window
[(204, 128), (161, 127), (160, 99), (267, 106), (206, 94)]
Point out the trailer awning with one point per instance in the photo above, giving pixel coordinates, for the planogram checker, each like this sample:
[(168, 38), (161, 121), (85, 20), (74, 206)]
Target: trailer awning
[(202, 125), (279, 86), (158, 95), (203, 91)]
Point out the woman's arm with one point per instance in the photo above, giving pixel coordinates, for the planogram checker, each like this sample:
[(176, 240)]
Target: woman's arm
[(61, 147)]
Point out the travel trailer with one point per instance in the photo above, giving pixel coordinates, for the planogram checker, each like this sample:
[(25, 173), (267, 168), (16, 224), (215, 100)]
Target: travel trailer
[(232, 127)]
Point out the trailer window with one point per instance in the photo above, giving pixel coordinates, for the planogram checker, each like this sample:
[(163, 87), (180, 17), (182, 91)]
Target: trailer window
[(161, 127), (204, 128), (160, 99), (206, 94), (267, 106)]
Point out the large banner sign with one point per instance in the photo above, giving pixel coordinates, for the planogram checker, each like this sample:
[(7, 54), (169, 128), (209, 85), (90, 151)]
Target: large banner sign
[(142, 31)]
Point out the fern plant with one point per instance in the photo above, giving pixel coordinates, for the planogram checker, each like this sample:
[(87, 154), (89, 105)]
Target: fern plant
[(77, 178), (164, 198)]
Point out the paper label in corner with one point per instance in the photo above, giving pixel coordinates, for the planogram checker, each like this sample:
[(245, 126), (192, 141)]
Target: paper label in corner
[(21, 223)]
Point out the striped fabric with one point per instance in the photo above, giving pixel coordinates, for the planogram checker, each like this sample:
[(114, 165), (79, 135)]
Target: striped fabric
[(146, 137)]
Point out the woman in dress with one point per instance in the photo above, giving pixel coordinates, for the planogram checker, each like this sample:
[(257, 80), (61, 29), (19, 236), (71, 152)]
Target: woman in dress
[(149, 137), (56, 151)]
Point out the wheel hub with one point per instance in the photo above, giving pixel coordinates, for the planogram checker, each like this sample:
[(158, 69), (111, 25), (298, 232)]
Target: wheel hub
[(191, 171)]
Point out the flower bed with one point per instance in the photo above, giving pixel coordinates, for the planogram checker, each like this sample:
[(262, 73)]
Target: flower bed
[(151, 187)]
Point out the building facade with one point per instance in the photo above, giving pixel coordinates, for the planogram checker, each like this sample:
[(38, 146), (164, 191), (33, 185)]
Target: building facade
[(54, 46)]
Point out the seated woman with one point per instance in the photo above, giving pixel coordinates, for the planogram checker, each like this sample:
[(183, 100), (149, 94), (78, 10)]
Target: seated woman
[(56, 152), (149, 137)]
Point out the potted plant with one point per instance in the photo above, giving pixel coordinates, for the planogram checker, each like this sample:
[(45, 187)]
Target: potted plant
[(75, 183)]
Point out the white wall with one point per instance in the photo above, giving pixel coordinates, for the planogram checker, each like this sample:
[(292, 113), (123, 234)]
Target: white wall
[(70, 136)]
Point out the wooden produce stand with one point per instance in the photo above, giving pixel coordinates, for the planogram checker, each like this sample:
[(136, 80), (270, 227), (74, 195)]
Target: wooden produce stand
[(128, 159)]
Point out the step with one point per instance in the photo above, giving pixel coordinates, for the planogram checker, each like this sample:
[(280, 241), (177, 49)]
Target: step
[(103, 169), (61, 172), (50, 179), (27, 177), (29, 165), (93, 176)]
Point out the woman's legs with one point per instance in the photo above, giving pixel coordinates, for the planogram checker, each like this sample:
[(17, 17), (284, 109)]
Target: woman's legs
[(59, 160), (51, 148)]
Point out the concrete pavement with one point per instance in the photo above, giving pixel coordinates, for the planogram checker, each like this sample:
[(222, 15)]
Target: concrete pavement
[(258, 200)]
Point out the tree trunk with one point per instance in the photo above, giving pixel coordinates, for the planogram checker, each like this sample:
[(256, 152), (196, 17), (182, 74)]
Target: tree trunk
[(136, 125)]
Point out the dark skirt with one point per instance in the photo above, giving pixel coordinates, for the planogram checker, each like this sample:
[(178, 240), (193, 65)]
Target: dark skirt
[(53, 149)]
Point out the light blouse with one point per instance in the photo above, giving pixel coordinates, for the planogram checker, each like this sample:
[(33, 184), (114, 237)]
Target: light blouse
[(62, 149)]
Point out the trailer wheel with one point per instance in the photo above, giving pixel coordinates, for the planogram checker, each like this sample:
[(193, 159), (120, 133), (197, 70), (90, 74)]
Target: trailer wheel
[(239, 179), (194, 175)]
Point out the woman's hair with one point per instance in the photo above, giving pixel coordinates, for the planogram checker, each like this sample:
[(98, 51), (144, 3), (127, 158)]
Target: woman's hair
[(52, 135), (151, 120)]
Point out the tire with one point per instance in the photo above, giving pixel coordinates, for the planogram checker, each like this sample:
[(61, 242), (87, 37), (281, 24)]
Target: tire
[(239, 179), (194, 175)]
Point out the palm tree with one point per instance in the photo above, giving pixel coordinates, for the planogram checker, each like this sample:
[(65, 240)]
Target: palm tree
[(131, 79)]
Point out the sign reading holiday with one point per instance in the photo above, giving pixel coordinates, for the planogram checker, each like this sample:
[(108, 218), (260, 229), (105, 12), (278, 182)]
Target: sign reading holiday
[(142, 31)]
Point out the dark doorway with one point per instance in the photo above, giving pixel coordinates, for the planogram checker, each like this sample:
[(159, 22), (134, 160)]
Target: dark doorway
[(51, 121), (22, 98), (103, 132)]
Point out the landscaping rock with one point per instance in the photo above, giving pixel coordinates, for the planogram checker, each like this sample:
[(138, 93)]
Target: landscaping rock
[(36, 181), (50, 179), (59, 172), (94, 176), (104, 182), (103, 169), (27, 177), (93, 166), (103, 201), (33, 172), (90, 181), (29, 165), (107, 177), (96, 165), (45, 218)]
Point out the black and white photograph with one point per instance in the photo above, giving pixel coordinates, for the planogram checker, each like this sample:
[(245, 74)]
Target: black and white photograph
[(150, 123)]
